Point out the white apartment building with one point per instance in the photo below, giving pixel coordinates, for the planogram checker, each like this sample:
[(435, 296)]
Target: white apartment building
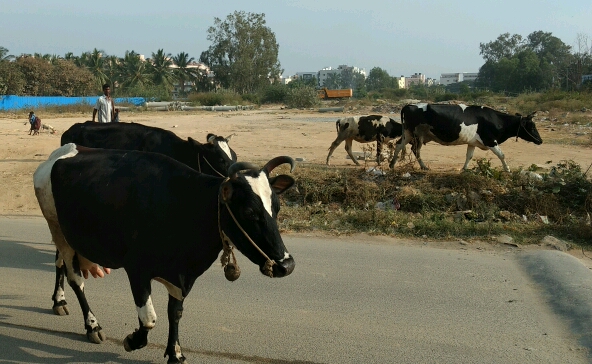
[(450, 78)]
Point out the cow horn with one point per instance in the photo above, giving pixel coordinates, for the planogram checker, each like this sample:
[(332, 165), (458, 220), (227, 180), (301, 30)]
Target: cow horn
[(240, 166), (278, 161)]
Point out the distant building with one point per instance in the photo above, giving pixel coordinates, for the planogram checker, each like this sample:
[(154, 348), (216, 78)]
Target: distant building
[(415, 79), (450, 78), (401, 81)]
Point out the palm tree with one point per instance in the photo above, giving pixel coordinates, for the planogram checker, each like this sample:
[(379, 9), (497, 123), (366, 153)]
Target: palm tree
[(160, 68), (4, 56), (182, 60), (95, 64), (133, 70)]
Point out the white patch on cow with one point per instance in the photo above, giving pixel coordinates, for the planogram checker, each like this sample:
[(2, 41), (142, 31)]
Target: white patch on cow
[(147, 314), (224, 146), (171, 288), (60, 295), (42, 179), (463, 107), (260, 185), (286, 256), (423, 106), (91, 320)]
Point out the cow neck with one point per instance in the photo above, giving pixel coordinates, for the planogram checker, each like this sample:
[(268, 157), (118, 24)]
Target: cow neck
[(227, 244), (208, 163)]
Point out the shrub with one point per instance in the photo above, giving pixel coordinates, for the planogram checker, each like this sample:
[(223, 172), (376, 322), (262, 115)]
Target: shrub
[(304, 97), (274, 94)]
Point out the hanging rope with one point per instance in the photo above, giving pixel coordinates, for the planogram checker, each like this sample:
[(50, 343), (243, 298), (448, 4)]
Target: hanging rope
[(231, 269)]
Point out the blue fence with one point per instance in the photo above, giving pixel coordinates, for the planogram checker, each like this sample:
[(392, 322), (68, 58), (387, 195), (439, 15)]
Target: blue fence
[(12, 102)]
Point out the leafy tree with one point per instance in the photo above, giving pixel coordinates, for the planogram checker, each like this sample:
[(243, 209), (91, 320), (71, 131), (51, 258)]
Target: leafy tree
[(244, 52), (379, 79), (67, 79), (160, 68), (505, 46), (300, 82), (333, 81), (4, 56), (515, 64), (36, 72), (12, 81)]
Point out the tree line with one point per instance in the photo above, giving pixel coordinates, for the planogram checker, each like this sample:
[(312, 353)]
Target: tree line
[(243, 58)]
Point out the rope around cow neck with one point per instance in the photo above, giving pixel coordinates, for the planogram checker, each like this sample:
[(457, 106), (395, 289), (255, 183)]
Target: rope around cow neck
[(206, 160), (520, 126), (231, 269)]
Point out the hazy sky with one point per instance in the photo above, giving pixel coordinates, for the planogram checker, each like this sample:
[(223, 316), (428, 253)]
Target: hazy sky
[(401, 37)]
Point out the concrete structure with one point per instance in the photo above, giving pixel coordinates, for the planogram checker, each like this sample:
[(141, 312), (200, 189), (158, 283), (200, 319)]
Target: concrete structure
[(415, 79), (450, 78)]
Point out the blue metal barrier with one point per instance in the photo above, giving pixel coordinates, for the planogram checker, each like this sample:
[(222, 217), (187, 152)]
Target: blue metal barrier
[(12, 102)]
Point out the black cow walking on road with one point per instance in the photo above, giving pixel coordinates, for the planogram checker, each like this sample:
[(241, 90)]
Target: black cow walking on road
[(213, 157), (159, 220), (475, 126)]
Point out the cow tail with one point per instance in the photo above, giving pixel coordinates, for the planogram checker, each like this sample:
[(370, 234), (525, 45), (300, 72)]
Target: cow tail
[(337, 125)]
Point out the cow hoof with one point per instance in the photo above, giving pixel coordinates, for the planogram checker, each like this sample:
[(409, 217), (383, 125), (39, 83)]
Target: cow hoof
[(126, 343), (61, 309), (96, 337), (174, 360)]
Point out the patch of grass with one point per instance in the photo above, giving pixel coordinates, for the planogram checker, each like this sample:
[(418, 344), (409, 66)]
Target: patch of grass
[(474, 204)]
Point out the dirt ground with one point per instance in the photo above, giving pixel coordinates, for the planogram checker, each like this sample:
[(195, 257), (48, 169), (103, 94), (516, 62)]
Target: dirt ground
[(257, 136)]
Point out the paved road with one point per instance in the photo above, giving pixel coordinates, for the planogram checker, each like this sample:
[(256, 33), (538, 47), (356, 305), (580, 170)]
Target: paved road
[(349, 300)]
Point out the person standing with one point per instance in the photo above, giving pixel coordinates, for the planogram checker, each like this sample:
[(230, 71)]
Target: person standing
[(104, 107)]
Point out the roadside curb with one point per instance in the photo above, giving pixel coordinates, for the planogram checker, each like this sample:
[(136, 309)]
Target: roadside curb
[(566, 286)]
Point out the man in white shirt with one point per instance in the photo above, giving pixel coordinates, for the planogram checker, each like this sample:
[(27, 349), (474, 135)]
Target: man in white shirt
[(104, 106)]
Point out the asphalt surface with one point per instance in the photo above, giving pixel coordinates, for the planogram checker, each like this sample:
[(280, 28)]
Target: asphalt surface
[(350, 300)]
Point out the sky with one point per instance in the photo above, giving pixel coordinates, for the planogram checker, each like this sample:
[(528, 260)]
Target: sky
[(402, 37)]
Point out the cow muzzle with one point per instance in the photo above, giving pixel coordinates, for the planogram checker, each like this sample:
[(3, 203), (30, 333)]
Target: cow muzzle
[(279, 269)]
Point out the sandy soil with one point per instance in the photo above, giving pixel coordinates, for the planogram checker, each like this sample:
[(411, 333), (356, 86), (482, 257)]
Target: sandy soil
[(258, 135)]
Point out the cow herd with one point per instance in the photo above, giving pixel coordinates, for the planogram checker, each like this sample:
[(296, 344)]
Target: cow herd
[(474, 126), (126, 195)]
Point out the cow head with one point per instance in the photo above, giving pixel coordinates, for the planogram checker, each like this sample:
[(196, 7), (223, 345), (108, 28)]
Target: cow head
[(214, 157), (527, 129), (251, 196)]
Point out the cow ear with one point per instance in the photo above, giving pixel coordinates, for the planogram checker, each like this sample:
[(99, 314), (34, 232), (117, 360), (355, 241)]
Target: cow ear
[(193, 141), (280, 184), (210, 138), (226, 192)]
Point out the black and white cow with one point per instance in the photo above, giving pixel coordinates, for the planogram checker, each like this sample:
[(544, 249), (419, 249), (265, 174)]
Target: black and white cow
[(475, 126), (213, 157), (159, 220), (365, 129)]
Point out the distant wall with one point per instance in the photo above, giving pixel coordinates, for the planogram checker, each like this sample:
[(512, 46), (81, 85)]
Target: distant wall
[(12, 102)]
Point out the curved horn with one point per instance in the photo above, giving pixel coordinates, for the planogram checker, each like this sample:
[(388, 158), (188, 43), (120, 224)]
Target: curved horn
[(240, 166), (278, 161)]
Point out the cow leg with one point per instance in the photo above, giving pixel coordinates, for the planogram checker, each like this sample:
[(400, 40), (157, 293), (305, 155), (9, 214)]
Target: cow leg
[(379, 142), (146, 315), (334, 145), (76, 281), (60, 307), (470, 151), (497, 151), (173, 349), (348, 149), (418, 142), (406, 138)]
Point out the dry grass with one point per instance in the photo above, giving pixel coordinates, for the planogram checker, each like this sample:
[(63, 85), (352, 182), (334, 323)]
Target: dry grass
[(472, 204)]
